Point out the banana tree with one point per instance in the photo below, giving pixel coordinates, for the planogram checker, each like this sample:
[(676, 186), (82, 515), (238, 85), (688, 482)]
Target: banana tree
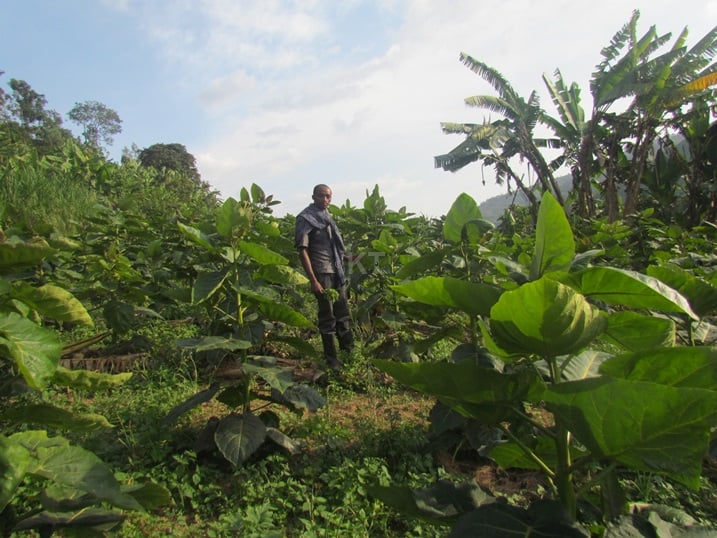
[(502, 140)]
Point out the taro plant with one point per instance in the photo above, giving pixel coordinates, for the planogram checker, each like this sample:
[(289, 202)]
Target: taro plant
[(244, 286), (67, 486), (586, 382)]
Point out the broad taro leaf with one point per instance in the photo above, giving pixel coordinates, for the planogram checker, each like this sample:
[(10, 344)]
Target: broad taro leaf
[(148, 494), (633, 331), (300, 397), (281, 274), (233, 219), (629, 288), (207, 285), (472, 298), (88, 380), (299, 344), (443, 502), (35, 350), (701, 295), (265, 367), (15, 460), (196, 237), (584, 365), (15, 255), (119, 316), (473, 391), (554, 242), (464, 210), (284, 441), (285, 314), (644, 426), (239, 436), (544, 318), (53, 302), (78, 468), (262, 254), (420, 264), (45, 414), (690, 367), (544, 519), (510, 455)]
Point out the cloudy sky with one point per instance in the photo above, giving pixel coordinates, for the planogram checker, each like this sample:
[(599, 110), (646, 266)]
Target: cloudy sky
[(287, 94)]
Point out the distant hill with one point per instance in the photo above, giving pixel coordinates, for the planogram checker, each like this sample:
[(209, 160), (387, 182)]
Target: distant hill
[(492, 209)]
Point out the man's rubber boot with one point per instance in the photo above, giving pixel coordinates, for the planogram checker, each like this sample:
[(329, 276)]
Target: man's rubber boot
[(329, 344), (346, 341)]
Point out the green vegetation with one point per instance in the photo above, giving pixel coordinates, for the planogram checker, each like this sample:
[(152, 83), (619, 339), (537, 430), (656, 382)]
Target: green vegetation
[(552, 375)]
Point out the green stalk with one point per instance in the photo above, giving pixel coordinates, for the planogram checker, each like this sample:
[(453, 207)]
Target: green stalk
[(564, 474)]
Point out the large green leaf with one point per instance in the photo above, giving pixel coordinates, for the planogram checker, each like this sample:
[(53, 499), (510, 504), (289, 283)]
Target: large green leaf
[(644, 426), (631, 289), (88, 380), (474, 391), (472, 298), (53, 302), (694, 367), (442, 502), (206, 285), (584, 365), (196, 236), (277, 378), (35, 350), (262, 254), (301, 397), (545, 519), (633, 331), (545, 318), (46, 414), (285, 314), (148, 494), (81, 469), (463, 210), (282, 274), (14, 255), (15, 460), (701, 294), (239, 436), (233, 218), (420, 264), (554, 242)]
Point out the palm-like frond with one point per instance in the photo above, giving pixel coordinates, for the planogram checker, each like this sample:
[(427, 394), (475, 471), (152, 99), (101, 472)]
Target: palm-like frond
[(566, 101), (692, 88), (618, 41), (611, 83), (483, 137), (499, 83), (706, 47), (492, 103)]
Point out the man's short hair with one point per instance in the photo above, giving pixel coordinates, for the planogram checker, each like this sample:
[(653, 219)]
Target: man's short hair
[(320, 186)]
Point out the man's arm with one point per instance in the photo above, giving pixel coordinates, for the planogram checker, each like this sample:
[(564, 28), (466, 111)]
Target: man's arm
[(316, 286)]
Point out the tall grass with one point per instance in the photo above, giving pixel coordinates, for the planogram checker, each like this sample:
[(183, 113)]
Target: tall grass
[(41, 200)]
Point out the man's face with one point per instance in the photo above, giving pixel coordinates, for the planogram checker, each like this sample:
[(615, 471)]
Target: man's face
[(322, 197)]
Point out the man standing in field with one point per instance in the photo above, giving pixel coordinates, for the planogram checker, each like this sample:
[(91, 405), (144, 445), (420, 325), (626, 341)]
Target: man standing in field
[(321, 251)]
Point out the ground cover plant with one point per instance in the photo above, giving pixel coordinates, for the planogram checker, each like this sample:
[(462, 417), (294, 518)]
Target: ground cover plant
[(549, 375)]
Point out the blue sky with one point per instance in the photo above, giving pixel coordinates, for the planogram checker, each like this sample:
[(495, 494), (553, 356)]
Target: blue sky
[(287, 94)]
